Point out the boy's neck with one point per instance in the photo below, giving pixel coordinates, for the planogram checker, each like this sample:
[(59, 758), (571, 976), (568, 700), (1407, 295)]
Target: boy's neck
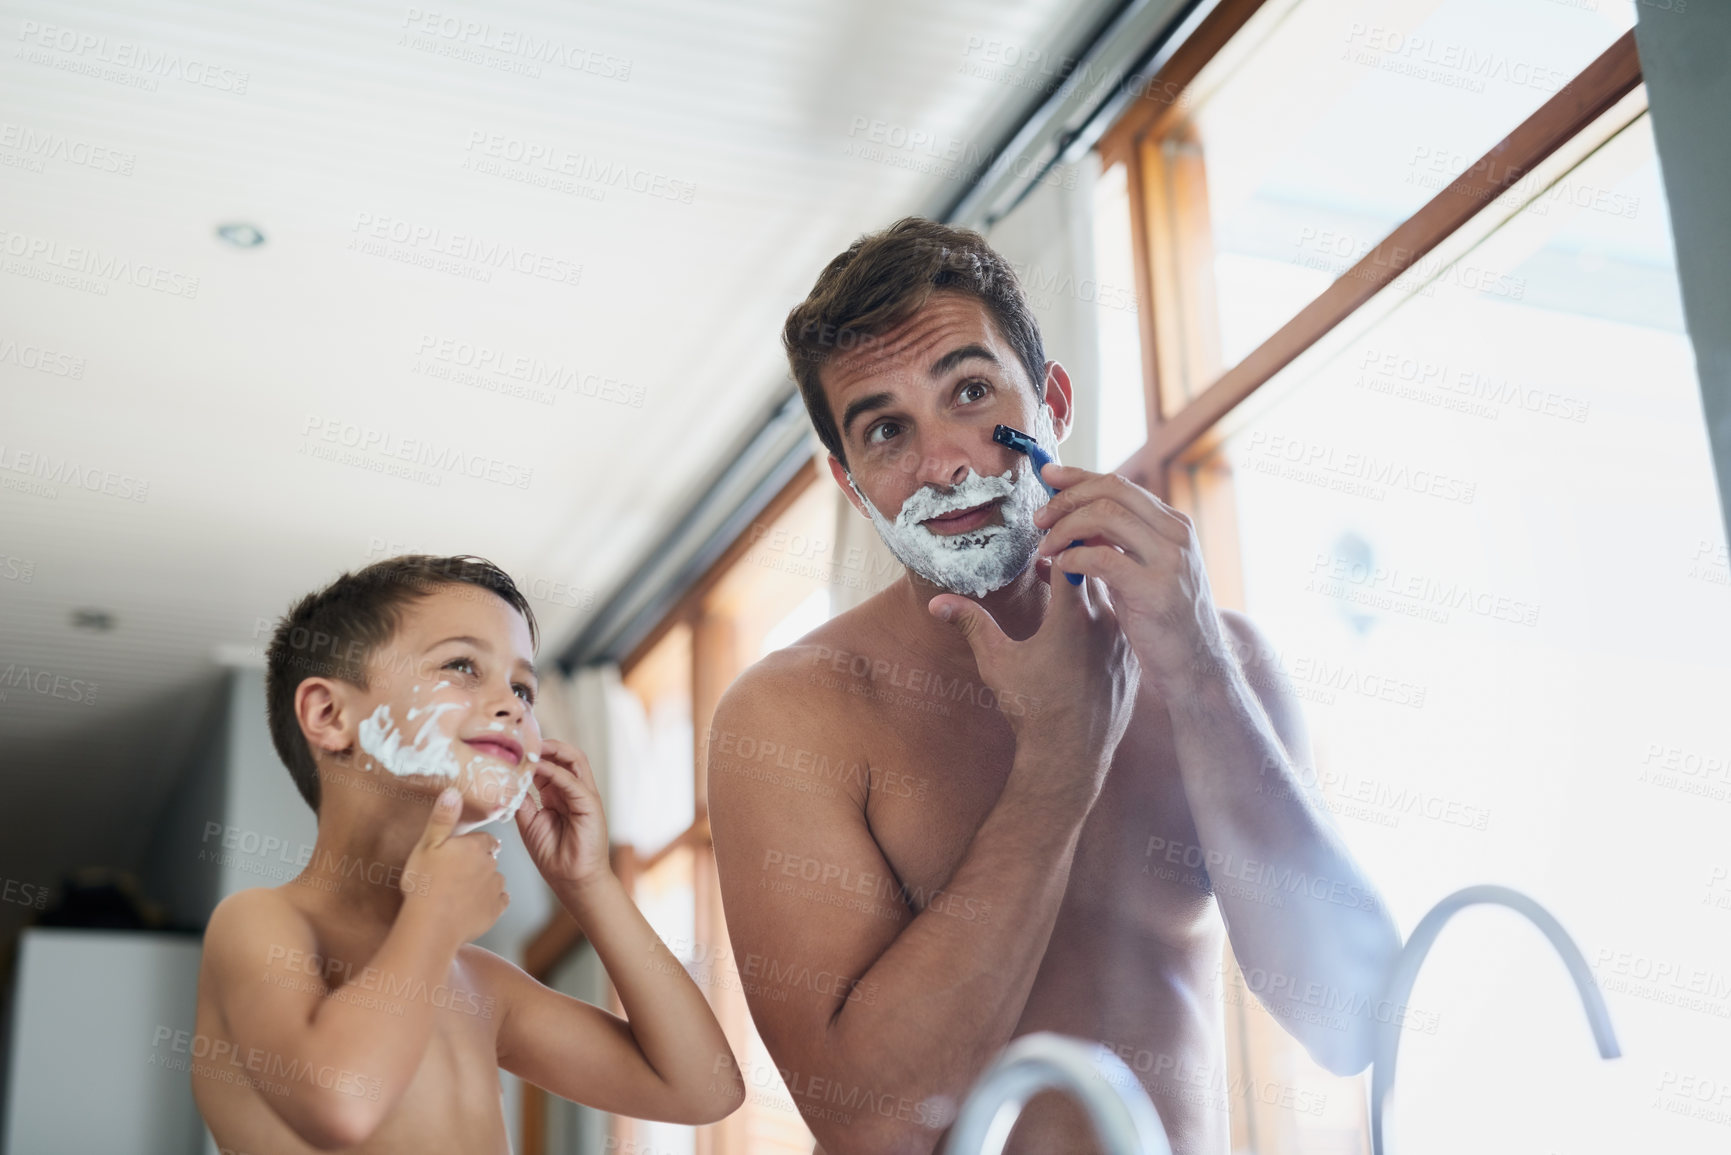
[(364, 841)]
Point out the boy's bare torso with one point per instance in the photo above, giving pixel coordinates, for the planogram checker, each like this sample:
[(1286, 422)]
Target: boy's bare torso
[(453, 1103), (1134, 957)]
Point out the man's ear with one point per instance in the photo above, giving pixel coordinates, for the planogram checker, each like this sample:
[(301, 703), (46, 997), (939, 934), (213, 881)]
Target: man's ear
[(839, 471), (1058, 398), (326, 714)]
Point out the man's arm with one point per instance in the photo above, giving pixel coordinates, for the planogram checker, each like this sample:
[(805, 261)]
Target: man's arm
[(1262, 831), (914, 1007), (1296, 905)]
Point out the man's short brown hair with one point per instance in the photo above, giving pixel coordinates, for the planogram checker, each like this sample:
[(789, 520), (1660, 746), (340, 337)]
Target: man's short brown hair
[(885, 278), (337, 631)]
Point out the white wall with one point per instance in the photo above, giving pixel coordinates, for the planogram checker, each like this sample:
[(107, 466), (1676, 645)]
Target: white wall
[(97, 1065)]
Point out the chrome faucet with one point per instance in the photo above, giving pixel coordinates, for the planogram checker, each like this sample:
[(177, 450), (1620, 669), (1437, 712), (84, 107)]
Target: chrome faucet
[(1124, 1117), (1405, 974)]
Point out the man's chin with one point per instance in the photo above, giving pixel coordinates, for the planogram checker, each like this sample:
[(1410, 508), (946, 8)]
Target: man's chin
[(970, 586)]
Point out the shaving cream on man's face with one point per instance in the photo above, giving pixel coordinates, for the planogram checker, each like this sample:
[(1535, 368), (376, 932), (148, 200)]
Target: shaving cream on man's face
[(977, 561)]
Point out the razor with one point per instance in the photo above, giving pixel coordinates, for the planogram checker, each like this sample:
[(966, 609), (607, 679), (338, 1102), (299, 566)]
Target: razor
[(1022, 443)]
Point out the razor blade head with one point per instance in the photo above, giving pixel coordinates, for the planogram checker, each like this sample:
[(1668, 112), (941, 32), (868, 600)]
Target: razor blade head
[(1012, 437)]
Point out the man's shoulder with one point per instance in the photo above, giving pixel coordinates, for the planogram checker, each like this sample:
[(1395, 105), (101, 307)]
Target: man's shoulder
[(797, 671), (787, 708), (1250, 646)]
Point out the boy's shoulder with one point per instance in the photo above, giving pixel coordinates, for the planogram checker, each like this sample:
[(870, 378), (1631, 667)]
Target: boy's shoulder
[(499, 974), (258, 924)]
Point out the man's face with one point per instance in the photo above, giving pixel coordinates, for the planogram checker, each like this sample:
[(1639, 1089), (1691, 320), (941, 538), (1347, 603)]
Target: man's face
[(449, 702), (915, 409)]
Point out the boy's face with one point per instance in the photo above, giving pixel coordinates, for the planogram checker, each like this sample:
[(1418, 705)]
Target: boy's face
[(449, 702)]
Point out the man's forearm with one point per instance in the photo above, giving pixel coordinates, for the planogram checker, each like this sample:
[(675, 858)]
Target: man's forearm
[(1296, 904), (951, 987)]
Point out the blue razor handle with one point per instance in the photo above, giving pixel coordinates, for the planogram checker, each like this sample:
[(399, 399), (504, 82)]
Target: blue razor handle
[(1022, 443)]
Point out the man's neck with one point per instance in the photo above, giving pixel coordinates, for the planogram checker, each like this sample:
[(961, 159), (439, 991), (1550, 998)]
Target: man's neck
[(1018, 608)]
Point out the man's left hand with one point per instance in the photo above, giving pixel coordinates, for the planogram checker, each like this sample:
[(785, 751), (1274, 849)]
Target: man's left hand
[(1146, 553)]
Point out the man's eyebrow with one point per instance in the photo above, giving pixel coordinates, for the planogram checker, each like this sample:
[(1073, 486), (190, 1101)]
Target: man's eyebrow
[(859, 405), (956, 356), (939, 367)]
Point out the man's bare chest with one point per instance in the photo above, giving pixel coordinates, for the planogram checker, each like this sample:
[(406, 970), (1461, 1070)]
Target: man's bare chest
[(933, 777)]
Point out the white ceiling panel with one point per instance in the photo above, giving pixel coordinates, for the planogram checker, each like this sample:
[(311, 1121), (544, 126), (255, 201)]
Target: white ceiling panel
[(524, 272)]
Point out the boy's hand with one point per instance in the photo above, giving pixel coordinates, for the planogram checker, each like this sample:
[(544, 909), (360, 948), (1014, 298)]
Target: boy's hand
[(567, 837), (457, 878)]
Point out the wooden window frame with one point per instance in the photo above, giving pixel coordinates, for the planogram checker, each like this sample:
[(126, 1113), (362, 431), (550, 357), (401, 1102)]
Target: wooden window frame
[(712, 670), (1169, 230), (1189, 396)]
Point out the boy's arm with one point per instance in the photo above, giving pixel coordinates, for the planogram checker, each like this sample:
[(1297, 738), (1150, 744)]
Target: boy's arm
[(668, 1058), (344, 1064)]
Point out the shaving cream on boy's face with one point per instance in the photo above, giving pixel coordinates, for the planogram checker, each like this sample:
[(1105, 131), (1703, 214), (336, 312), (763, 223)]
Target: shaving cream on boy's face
[(980, 560), (426, 745), (428, 730)]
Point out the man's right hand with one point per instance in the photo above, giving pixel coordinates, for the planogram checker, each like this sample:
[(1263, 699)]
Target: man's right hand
[(455, 880), (1067, 691)]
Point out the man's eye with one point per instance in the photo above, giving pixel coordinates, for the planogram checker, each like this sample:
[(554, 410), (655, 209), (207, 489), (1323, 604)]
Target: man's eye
[(872, 433), (983, 386)]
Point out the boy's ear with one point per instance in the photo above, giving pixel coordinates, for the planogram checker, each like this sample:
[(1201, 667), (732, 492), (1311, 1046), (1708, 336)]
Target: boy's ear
[(326, 712)]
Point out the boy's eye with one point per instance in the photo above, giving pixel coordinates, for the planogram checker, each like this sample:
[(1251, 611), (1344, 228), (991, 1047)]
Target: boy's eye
[(467, 665)]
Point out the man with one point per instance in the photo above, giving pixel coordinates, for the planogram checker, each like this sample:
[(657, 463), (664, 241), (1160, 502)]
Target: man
[(986, 801)]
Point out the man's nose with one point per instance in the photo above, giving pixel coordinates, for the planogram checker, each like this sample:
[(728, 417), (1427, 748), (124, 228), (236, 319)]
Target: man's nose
[(944, 459)]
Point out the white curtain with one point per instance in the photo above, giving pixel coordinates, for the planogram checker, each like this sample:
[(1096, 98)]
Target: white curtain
[(1049, 239)]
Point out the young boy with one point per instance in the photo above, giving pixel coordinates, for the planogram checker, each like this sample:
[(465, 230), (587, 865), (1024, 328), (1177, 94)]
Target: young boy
[(347, 1008)]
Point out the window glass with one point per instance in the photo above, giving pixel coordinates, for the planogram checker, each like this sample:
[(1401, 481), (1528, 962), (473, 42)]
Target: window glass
[(1124, 411), (666, 894), (1484, 537), (657, 787), (1325, 123)]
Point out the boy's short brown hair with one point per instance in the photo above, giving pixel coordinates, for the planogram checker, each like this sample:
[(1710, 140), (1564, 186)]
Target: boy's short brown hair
[(882, 280), (335, 633)]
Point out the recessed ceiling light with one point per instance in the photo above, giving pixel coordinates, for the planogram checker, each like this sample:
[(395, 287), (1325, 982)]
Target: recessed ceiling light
[(241, 236), (88, 619)]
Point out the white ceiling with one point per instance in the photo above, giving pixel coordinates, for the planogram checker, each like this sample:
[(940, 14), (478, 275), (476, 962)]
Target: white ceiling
[(344, 120)]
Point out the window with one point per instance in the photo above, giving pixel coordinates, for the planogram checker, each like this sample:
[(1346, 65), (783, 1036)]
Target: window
[(1414, 362), (1409, 346), (772, 587)]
